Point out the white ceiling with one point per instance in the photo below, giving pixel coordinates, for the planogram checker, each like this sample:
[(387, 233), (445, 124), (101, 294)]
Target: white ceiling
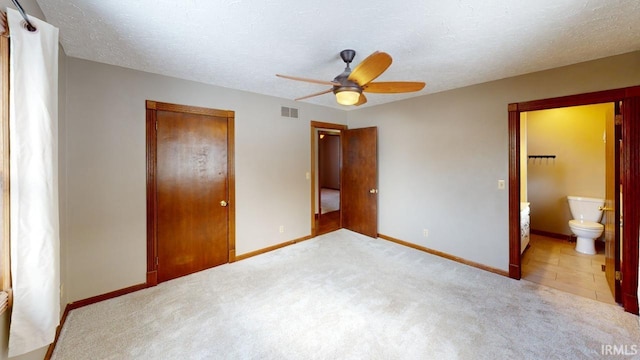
[(242, 44)]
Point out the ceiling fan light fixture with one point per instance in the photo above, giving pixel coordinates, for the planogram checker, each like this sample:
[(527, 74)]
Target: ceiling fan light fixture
[(347, 96), (349, 86)]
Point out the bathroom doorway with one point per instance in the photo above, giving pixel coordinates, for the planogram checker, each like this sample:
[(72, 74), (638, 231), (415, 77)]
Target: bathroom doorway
[(564, 153), (629, 100)]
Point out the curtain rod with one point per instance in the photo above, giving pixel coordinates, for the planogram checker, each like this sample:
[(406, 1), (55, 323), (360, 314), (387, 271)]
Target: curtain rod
[(30, 26)]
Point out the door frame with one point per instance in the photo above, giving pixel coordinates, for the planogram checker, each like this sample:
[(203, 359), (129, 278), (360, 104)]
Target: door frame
[(314, 127), (630, 97), (152, 207)]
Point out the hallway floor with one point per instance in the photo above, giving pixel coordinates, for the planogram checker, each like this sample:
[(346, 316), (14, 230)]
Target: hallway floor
[(328, 222), (555, 263)]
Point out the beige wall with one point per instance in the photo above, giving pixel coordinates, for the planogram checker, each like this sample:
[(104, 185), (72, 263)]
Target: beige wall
[(106, 240), (441, 156), (575, 136)]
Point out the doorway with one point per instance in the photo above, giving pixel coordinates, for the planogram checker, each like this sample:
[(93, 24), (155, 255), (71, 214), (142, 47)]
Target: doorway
[(358, 178), (190, 190), (629, 98), (565, 153), (326, 179)]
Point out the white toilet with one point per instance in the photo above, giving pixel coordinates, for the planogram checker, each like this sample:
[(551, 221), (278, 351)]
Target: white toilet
[(586, 213)]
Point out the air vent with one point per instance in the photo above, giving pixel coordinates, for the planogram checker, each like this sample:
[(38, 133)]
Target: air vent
[(289, 112)]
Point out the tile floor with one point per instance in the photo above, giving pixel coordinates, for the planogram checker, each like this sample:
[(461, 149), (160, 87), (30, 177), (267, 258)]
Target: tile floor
[(555, 263)]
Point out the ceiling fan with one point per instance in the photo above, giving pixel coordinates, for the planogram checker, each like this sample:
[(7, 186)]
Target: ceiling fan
[(350, 85)]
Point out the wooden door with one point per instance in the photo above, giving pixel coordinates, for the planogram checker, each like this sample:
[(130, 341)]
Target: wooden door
[(360, 180), (191, 181), (612, 202), (630, 182)]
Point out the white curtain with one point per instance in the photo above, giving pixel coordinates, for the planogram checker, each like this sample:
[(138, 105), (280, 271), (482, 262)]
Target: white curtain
[(33, 134)]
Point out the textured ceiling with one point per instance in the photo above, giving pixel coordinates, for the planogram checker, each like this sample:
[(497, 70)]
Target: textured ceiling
[(242, 44)]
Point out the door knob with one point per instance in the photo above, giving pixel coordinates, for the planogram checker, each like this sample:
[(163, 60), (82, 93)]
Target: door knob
[(223, 203), (604, 208), (373, 191)]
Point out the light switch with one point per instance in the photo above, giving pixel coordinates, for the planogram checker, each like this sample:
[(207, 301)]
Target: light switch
[(501, 185)]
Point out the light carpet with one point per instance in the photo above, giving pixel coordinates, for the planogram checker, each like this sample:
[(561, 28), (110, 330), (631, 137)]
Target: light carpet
[(346, 296)]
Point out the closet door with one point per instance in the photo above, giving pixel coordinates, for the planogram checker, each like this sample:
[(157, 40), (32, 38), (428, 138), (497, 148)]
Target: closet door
[(189, 192)]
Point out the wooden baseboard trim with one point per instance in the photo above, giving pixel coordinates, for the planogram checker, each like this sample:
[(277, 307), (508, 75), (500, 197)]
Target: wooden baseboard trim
[(445, 255), (565, 237), (271, 248), (110, 295)]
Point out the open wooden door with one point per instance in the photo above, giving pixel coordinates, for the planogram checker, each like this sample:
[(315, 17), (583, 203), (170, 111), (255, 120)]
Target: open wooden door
[(360, 180), (630, 180), (612, 202)]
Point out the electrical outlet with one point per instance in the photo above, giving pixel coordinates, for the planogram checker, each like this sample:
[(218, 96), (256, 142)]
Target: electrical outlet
[(281, 229), (425, 232), (501, 184)]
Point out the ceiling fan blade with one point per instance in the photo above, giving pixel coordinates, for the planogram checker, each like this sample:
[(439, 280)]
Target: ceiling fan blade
[(370, 68), (321, 82), (316, 94), (361, 100), (394, 87)]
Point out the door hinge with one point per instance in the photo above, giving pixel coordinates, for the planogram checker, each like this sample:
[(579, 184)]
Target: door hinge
[(157, 261), (156, 125), (619, 276)]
